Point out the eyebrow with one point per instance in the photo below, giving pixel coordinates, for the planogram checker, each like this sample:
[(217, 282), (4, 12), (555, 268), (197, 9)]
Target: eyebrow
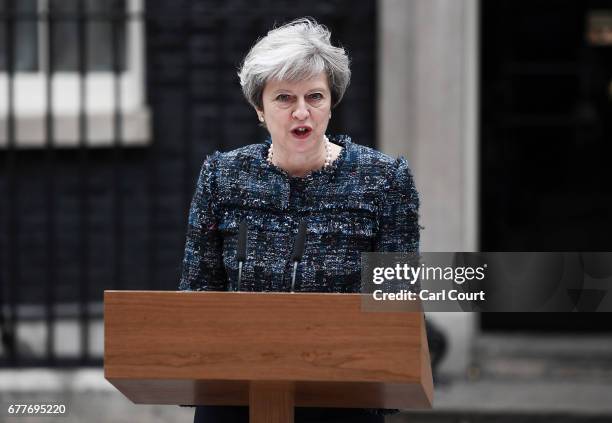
[(281, 90)]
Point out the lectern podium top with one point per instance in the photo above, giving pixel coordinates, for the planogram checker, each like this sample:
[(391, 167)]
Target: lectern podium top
[(207, 347)]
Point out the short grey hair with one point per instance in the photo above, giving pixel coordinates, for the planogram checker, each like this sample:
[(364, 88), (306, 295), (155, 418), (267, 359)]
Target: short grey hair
[(295, 51)]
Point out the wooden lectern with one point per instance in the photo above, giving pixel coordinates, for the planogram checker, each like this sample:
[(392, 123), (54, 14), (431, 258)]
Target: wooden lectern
[(271, 351)]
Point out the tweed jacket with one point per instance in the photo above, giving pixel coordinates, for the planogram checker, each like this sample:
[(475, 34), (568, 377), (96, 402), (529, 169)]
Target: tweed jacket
[(364, 201)]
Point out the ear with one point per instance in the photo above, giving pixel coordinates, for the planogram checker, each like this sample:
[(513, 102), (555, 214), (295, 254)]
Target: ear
[(260, 114)]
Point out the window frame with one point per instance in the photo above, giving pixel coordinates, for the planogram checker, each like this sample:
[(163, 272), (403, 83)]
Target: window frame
[(30, 95)]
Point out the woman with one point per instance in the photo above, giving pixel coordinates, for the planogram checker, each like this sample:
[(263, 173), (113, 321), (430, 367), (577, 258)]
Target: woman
[(352, 199)]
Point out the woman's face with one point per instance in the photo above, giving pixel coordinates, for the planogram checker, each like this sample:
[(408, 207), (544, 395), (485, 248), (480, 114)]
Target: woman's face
[(296, 114)]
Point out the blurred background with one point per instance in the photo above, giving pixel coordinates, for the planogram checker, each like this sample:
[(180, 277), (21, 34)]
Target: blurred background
[(108, 108)]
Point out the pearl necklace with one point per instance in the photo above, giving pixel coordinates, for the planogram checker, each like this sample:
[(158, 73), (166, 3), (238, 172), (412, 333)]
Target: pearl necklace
[(328, 153)]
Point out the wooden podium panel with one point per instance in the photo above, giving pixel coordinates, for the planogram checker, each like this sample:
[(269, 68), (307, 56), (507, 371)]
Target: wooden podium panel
[(213, 348)]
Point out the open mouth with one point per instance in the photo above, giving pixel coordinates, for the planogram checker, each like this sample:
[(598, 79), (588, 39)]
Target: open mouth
[(301, 131)]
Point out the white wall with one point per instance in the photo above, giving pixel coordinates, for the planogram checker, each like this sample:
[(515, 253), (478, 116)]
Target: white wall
[(427, 111)]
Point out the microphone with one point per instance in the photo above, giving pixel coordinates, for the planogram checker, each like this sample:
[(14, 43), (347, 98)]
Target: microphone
[(298, 250), (241, 250)]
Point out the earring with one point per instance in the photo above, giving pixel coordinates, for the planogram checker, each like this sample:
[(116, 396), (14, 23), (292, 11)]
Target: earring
[(330, 115), (261, 118)]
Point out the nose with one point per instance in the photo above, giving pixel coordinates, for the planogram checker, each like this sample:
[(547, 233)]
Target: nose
[(301, 111)]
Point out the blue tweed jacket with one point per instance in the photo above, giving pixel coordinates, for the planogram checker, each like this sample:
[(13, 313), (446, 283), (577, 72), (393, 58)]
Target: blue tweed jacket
[(365, 201)]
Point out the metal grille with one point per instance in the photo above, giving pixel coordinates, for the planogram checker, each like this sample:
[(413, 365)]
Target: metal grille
[(52, 37)]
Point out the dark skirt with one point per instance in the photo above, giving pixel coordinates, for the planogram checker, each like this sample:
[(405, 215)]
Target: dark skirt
[(224, 414)]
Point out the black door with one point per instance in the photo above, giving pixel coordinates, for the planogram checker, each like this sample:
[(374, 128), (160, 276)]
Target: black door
[(546, 132)]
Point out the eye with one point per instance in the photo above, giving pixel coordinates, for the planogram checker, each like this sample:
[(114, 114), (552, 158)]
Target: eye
[(316, 96), (283, 98)]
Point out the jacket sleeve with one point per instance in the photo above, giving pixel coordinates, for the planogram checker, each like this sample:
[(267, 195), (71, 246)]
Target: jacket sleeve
[(203, 268), (398, 220)]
